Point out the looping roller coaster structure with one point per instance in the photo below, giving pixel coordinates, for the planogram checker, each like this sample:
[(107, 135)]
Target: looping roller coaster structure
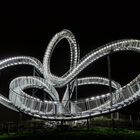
[(68, 109)]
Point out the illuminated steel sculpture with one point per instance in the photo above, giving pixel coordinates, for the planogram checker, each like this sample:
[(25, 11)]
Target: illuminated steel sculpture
[(67, 109)]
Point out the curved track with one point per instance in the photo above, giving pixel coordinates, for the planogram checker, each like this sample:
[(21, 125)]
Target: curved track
[(68, 109)]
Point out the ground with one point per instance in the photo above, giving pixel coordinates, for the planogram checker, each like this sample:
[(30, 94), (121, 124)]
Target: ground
[(78, 134)]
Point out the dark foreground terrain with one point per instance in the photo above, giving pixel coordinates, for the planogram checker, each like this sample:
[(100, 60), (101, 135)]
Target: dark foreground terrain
[(78, 134)]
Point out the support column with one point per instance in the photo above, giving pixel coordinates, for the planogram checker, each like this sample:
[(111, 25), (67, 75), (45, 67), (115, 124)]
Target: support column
[(109, 76), (118, 116), (110, 88), (76, 95), (69, 92)]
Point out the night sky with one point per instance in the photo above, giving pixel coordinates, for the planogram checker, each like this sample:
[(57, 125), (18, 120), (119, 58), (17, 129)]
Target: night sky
[(27, 30)]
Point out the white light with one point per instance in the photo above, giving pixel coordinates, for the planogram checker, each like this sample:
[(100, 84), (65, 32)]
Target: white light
[(92, 98), (51, 81)]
